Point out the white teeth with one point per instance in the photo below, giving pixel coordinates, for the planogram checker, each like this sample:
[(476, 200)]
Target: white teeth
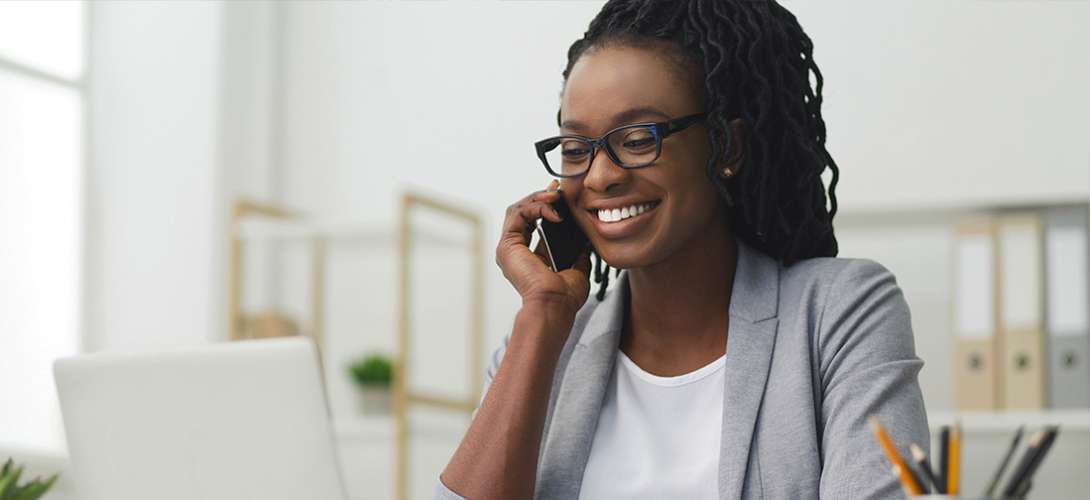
[(616, 214)]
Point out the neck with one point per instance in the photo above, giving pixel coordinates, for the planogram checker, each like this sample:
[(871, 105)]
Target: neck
[(678, 310)]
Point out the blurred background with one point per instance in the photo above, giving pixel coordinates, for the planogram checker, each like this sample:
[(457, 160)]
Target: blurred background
[(174, 173)]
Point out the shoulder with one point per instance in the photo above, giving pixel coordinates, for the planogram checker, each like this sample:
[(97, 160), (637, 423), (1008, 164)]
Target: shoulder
[(827, 282), (845, 302), (858, 310), (835, 274), (840, 286)]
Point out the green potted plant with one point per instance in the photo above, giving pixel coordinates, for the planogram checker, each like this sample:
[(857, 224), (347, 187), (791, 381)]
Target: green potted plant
[(11, 490), (374, 375)]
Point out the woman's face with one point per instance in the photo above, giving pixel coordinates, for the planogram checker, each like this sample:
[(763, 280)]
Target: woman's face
[(604, 87)]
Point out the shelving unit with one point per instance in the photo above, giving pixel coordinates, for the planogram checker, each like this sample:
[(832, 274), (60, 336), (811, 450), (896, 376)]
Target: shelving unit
[(255, 223)]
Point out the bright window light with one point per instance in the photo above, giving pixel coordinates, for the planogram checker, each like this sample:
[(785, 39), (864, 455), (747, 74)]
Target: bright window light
[(40, 215), (47, 36)]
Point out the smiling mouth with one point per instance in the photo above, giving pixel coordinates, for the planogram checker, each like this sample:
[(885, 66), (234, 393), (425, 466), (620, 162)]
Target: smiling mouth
[(622, 214)]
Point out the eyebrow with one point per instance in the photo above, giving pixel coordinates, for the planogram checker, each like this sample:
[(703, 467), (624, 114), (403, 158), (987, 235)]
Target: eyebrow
[(619, 119)]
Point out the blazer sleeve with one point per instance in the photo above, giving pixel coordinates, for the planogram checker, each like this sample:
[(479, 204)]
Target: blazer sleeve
[(442, 492), (868, 366)]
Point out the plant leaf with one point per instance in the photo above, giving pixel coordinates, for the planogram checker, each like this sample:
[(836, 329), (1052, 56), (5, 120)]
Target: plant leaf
[(9, 484), (6, 485), (36, 489)]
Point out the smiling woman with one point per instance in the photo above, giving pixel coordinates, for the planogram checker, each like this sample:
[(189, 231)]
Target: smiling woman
[(737, 357)]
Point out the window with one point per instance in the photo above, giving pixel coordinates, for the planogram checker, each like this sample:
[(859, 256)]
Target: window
[(41, 170)]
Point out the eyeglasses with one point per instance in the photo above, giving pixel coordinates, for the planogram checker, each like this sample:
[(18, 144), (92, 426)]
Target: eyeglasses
[(629, 146)]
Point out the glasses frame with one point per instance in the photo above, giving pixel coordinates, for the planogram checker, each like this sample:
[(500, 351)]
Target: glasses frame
[(660, 130)]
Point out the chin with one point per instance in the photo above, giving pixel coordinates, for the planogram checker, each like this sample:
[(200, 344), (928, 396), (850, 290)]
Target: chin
[(624, 255)]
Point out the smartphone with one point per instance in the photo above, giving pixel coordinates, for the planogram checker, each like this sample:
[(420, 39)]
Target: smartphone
[(564, 241)]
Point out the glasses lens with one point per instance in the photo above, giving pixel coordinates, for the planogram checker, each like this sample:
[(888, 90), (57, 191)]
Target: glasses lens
[(568, 156), (634, 146)]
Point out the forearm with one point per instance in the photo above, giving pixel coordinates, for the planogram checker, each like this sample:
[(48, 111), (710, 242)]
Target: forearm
[(498, 455)]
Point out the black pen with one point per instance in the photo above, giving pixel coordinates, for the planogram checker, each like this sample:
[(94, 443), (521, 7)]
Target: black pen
[(925, 468), (1027, 479), (944, 458), (1019, 471), (994, 483)]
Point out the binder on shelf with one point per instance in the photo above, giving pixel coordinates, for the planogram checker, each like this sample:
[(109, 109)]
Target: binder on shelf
[(1068, 330), (1021, 311), (977, 384)]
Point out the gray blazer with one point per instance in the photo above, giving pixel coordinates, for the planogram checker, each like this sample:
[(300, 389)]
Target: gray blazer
[(812, 351)]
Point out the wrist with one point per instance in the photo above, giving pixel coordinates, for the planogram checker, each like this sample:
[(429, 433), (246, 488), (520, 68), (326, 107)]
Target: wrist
[(548, 322), (551, 307)]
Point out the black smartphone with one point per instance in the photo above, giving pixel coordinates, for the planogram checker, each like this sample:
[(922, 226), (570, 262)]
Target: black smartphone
[(564, 241)]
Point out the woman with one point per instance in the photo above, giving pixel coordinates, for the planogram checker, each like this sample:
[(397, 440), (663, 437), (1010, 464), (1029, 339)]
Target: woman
[(735, 357)]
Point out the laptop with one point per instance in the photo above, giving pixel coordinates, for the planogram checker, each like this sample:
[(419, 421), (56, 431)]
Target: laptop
[(232, 421)]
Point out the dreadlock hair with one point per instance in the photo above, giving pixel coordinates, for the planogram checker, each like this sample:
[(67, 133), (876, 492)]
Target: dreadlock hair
[(755, 63)]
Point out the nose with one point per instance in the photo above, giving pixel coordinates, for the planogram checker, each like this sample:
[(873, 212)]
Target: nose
[(604, 175)]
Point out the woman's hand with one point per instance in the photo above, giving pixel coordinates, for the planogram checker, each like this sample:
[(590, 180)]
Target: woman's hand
[(529, 272)]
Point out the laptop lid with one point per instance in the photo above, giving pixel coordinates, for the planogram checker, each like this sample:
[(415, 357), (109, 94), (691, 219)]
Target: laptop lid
[(229, 421)]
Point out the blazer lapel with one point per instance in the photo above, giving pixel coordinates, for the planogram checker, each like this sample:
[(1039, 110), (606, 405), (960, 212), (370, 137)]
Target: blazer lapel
[(750, 339), (571, 432)]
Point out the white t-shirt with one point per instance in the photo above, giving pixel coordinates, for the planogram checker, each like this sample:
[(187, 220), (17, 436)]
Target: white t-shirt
[(657, 437)]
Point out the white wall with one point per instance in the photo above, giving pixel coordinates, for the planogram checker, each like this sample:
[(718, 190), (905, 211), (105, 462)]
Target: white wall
[(938, 103), (152, 178), (249, 118)]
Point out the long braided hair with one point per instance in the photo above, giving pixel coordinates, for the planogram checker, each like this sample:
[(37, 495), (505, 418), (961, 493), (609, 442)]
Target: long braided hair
[(756, 63)]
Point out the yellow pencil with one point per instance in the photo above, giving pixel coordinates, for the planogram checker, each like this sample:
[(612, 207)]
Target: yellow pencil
[(953, 475), (900, 467), (897, 473)]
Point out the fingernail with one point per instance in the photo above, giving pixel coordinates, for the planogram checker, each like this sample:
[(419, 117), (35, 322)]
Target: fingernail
[(553, 185)]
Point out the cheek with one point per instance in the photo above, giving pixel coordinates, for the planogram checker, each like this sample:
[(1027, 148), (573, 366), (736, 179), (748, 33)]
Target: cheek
[(573, 187), (690, 183), (695, 200)]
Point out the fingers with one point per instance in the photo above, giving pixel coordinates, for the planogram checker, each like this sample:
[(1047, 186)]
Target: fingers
[(520, 217), (551, 189)]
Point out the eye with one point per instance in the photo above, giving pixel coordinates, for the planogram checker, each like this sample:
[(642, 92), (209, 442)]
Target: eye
[(638, 143), (573, 149), (638, 140)]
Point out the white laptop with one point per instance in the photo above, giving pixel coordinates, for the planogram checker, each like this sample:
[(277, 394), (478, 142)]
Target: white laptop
[(231, 421)]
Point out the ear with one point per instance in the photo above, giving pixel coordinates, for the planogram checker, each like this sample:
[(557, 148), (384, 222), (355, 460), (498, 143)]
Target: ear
[(735, 153)]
